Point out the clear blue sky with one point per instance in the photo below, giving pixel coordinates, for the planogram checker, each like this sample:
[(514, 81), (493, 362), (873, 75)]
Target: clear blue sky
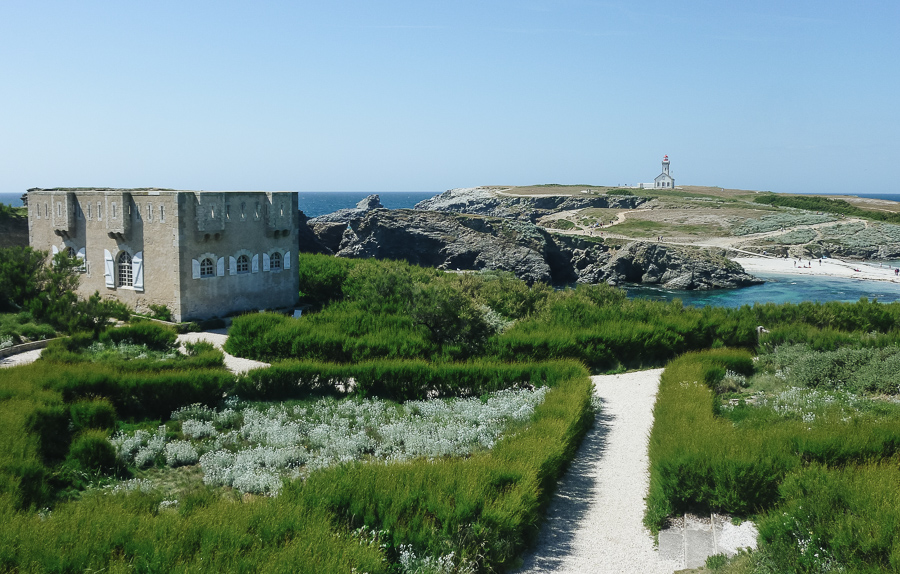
[(797, 96)]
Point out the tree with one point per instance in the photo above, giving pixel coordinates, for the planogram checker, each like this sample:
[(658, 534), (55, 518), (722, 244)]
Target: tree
[(20, 268), (450, 317), (48, 291)]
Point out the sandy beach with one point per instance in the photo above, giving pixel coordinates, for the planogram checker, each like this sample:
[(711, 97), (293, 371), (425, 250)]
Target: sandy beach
[(827, 267)]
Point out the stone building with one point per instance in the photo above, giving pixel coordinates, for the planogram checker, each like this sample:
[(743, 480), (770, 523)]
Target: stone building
[(202, 254)]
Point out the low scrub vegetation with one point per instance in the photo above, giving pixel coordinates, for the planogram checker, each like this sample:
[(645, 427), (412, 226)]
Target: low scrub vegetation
[(777, 221), (827, 205), (417, 421), (802, 437), (361, 483)]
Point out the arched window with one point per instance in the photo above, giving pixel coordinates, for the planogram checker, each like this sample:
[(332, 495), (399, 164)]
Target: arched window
[(70, 251), (275, 262), (125, 277), (207, 268), (243, 264)]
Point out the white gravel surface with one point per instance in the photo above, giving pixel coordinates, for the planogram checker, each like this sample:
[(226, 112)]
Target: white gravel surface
[(21, 358), (218, 337), (595, 520)]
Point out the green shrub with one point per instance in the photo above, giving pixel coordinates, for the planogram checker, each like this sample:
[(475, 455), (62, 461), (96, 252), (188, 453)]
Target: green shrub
[(321, 277), (161, 312), (92, 414), (145, 395), (152, 335), (51, 425), (92, 453), (835, 519)]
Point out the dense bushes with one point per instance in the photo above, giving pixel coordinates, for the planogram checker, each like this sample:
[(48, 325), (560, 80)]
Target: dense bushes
[(842, 519), (144, 395), (483, 509), (697, 461), (151, 335), (396, 380), (794, 466)]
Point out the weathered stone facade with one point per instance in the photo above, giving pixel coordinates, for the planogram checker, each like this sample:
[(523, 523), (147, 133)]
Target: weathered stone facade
[(200, 253)]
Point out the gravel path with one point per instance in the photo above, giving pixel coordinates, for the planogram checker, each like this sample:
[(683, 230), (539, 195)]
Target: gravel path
[(21, 358), (594, 523), (218, 337)]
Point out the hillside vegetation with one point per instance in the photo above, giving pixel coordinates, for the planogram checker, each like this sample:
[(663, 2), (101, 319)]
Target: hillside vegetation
[(417, 421)]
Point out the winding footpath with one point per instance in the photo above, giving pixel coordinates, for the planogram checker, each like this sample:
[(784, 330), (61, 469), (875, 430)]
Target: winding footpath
[(595, 520)]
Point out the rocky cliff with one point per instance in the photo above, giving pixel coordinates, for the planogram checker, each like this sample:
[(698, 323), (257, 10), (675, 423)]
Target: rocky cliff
[(454, 241), (487, 201)]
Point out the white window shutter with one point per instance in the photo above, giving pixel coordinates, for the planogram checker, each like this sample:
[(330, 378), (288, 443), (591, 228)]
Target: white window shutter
[(137, 270), (195, 268), (220, 267), (232, 266), (55, 249), (109, 269), (287, 260), (255, 264), (265, 261)]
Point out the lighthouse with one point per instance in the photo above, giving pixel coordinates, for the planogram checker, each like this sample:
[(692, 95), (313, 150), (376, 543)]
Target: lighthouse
[(664, 180)]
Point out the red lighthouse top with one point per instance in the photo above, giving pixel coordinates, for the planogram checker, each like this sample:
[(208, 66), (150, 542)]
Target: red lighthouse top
[(666, 158)]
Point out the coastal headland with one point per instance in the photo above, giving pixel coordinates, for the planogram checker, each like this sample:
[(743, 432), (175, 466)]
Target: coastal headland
[(690, 237)]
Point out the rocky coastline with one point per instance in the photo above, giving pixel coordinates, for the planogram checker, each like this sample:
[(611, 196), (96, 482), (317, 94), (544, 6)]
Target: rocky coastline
[(487, 201), (454, 241)]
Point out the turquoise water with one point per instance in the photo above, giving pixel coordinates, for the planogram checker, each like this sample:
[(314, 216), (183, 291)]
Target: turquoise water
[(778, 289)]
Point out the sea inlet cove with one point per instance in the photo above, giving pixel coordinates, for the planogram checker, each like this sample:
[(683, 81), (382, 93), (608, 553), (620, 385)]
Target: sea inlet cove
[(548, 378)]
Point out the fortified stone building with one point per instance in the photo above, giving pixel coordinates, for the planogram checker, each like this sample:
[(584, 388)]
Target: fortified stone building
[(200, 253)]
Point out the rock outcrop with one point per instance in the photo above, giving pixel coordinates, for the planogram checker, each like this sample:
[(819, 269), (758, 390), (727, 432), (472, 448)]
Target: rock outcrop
[(323, 234), (453, 241), (486, 201), (678, 268), (344, 216)]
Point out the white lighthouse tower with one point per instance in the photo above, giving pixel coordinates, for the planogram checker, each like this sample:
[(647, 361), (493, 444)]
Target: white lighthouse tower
[(664, 180)]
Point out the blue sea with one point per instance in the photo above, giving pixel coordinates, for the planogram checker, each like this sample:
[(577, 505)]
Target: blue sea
[(314, 203)]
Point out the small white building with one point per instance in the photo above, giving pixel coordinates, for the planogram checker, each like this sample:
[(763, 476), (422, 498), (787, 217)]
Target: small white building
[(663, 180)]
